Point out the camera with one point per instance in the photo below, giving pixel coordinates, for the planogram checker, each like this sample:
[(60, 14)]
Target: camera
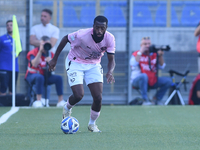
[(47, 46), (154, 48)]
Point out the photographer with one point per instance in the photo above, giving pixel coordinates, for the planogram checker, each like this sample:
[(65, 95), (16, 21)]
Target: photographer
[(37, 72), (144, 72)]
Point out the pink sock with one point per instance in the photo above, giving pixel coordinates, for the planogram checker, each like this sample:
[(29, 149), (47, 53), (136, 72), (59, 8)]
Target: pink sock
[(94, 115), (69, 106)]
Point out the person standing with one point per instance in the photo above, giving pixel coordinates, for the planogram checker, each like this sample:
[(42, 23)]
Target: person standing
[(83, 62), (45, 28), (6, 46)]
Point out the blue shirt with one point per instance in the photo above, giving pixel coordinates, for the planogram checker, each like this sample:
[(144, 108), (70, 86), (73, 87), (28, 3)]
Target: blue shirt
[(6, 53)]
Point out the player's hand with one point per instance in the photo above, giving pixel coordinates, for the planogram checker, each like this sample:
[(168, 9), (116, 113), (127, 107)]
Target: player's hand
[(110, 78), (52, 65)]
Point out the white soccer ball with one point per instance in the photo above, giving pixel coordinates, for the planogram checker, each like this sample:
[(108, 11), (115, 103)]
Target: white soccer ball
[(69, 125)]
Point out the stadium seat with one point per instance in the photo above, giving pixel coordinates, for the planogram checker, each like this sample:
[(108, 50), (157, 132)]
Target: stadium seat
[(87, 16), (142, 17), (115, 16), (113, 3), (176, 3), (70, 18), (190, 16), (79, 3), (45, 3), (192, 3), (161, 19), (145, 3)]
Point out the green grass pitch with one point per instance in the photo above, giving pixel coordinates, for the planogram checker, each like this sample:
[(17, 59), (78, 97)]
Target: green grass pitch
[(123, 128)]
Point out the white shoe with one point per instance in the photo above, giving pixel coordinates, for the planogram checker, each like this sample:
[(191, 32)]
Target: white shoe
[(146, 103), (37, 104), (93, 128), (43, 102), (66, 113), (60, 104)]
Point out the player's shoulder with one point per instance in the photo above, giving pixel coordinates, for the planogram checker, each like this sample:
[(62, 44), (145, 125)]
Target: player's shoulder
[(108, 34), (85, 31)]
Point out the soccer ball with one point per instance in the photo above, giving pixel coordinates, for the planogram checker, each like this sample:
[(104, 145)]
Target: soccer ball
[(69, 125)]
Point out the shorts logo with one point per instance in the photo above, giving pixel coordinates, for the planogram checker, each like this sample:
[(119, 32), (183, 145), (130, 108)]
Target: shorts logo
[(74, 74), (72, 80)]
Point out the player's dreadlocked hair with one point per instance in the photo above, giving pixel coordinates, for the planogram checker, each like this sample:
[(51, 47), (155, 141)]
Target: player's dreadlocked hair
[(101, 19)]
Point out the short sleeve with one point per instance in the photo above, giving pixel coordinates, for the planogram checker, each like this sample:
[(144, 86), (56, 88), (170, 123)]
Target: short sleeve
[(72, 37), (33, 32), (56, 33), (111, 44)]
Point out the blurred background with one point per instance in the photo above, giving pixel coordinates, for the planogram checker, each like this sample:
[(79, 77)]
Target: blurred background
[(166, 22)]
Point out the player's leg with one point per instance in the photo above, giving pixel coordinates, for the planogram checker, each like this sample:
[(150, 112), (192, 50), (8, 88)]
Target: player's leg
[(78, 92), (96, 92), (75, 73), (94, 80)]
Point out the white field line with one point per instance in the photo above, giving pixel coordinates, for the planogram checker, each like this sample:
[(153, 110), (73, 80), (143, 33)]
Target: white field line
[(7, 115)]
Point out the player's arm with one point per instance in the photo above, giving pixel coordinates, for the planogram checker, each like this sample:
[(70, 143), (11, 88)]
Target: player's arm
[(197, 30), (34, 41), (111, 67), (59, 49)]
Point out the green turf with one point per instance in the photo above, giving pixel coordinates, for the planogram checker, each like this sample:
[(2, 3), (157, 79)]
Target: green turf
[(3, 110), (123, 128)]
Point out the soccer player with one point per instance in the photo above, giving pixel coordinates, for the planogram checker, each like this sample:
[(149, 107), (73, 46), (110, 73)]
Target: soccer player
[(83, 62)]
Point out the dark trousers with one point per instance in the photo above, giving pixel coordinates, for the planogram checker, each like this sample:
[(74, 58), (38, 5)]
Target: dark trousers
[(6, 80), (39, 81)]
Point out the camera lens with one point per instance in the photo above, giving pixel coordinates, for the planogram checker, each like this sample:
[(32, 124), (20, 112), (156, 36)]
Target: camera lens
[(47, 46)]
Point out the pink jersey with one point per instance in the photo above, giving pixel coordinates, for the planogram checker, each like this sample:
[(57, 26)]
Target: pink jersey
[(85, 50)]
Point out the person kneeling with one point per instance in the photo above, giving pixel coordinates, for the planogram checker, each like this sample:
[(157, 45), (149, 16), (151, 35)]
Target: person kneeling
[(38, 74)]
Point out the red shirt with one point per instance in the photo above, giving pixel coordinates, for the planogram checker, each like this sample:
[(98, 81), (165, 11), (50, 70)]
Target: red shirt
[(144, 65), (41, 65)]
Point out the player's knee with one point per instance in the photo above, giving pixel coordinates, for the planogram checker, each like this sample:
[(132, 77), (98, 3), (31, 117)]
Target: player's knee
[(78, 96), (97, 99)]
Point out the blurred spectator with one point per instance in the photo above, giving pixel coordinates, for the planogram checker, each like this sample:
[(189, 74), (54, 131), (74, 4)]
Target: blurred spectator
[(45, 29), (194, 95), (144, 72), (6, 47), (37, 68), (197, 33)]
